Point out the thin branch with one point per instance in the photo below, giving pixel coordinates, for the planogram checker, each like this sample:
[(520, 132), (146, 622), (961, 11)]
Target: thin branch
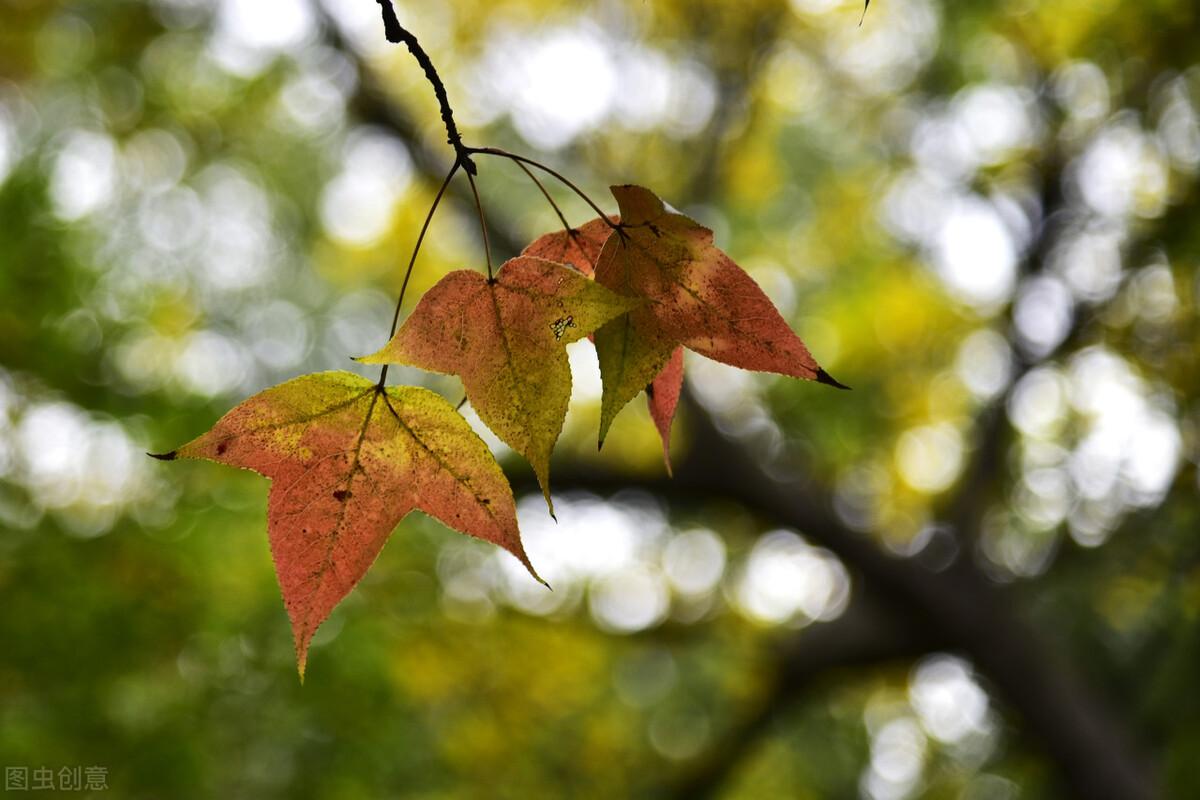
[(566, 226), (396, 33), (483, 226), (413, 258), (496, 151)]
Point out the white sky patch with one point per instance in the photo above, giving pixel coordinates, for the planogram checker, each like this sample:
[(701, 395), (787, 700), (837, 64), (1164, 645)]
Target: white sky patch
[(239, 240), (1123, 172), (1038, 406), (314, 102), (607, 547), (1090, 263), (949, 702), (974, 254), (629, 601), (586, 386), (84, 177), (362, 24), (693, 99), (787, 580), (249, 33), (358, 323), (173, 220), (996, 119), (1132, 446), (816, 7), (916, 205), (943, 147), (1043, 497), (1082, 90), (645, 88), (562, 82), (1179, 128), (886, 53), (279, 333), (153, 160), (984, 363), (357, 206), (212, 364), (694, 561), (592, 537), (930, 457), (1042, 314), (8, 145), (556, 85), (898, 752), (84, 469)]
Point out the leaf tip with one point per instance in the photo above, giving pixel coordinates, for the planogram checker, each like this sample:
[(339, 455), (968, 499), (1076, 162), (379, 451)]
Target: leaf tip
[(827, 379), (378, 357), (524, 559), (171, 456), (605, 424)]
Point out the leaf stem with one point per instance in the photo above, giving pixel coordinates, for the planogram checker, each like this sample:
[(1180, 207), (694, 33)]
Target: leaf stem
[(487, 248), (496, 151), (570, 231), (413, 258)]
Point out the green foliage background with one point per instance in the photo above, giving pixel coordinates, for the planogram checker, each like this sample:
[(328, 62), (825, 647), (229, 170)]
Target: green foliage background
[(199, 199)]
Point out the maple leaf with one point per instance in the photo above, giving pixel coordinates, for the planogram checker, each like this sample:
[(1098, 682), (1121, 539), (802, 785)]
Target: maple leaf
[(506, 339), (697, 297), (578, 247), (348, 461), (662, 395)]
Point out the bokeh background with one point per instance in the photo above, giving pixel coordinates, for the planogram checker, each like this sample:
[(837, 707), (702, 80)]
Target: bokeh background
[(975, 576)]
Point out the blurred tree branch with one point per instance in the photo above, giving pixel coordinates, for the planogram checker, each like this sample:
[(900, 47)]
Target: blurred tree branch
[(868, 636), (956, 608)]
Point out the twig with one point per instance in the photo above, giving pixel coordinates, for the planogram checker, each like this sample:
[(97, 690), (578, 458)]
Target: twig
[(483, 226), (496, 151), (566, 226), (396, 33), (413, 259)]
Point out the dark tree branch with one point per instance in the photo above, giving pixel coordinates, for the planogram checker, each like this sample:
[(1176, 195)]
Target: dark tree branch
[(867, 637), (372, 105), (396, 33), (968, 612)]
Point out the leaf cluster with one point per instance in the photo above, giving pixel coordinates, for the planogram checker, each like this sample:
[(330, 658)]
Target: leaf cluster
[(349, 459)]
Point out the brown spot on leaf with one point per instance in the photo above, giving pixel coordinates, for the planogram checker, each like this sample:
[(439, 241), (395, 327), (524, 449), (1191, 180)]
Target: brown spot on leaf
[(560, 326), (341, 494)]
